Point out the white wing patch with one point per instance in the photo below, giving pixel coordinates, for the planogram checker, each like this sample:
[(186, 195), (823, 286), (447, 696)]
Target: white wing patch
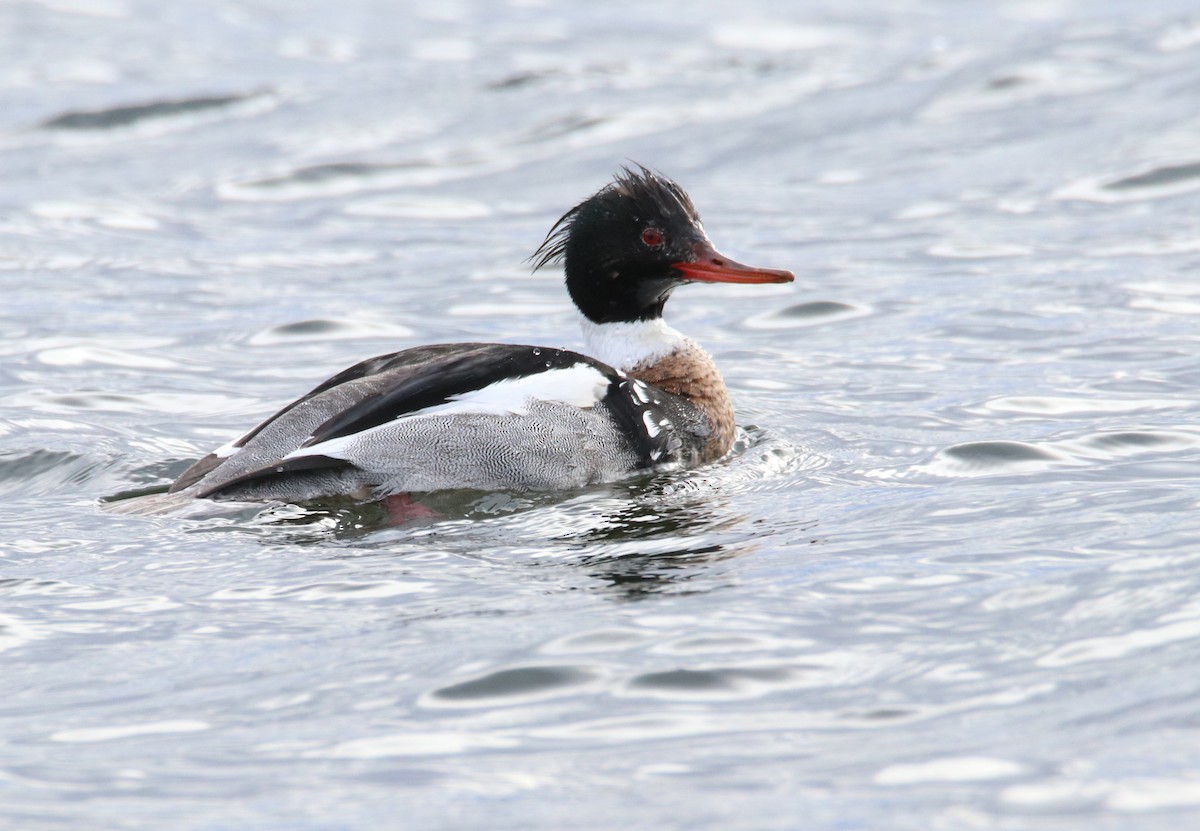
[(581, 385), (227, 450)]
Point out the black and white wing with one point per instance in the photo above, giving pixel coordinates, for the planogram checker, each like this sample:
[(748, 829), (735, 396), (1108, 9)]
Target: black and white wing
[(452, 415)]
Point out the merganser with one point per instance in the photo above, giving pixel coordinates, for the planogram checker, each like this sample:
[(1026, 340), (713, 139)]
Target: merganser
[(490, 416)]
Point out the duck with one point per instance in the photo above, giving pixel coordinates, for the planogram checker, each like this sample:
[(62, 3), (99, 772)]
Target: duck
[(509, 417)]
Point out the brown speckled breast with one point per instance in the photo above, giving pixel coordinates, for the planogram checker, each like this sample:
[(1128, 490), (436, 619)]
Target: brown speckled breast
[(690, 373)]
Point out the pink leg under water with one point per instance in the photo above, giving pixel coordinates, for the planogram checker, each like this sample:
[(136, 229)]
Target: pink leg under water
[(402, 508)]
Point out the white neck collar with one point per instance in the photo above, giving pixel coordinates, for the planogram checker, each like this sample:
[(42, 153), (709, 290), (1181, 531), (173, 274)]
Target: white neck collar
[(626, 346)]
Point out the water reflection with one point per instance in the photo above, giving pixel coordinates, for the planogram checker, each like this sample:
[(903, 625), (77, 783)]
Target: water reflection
[(652, 545), (636, 539)]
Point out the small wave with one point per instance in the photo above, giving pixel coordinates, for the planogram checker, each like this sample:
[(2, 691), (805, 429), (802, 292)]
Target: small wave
[(15, 632), (759, 453), (1057, 405), (332, 591), (511, 686), (977, 250), (1023, 84), (522, 79), (42, 471), (1158, 182), (420, 207), (561, 127), (992, 458), (997, 457), (1158, 177), (132, 114), (712, 682), (326, 329), (803, 315), (124, 731), (331, 179)]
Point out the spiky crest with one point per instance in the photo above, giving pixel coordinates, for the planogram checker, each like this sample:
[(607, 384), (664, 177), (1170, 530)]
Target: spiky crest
[(652, 194)]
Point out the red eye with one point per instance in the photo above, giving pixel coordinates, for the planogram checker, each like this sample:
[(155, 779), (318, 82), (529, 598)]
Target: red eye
[(652, 237)]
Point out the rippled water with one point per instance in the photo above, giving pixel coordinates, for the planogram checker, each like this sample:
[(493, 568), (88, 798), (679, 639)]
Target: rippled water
[(950, 580)]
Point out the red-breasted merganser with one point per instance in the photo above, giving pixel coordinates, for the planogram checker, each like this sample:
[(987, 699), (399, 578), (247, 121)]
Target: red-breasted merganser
[(492, 416)]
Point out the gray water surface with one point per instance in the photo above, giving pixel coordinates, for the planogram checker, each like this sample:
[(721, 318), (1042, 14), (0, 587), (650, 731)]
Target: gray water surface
[(950, 579)]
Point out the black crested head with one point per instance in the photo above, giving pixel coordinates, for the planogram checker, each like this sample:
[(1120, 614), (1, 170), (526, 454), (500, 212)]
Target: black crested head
[(626, 247), (617, 247)]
